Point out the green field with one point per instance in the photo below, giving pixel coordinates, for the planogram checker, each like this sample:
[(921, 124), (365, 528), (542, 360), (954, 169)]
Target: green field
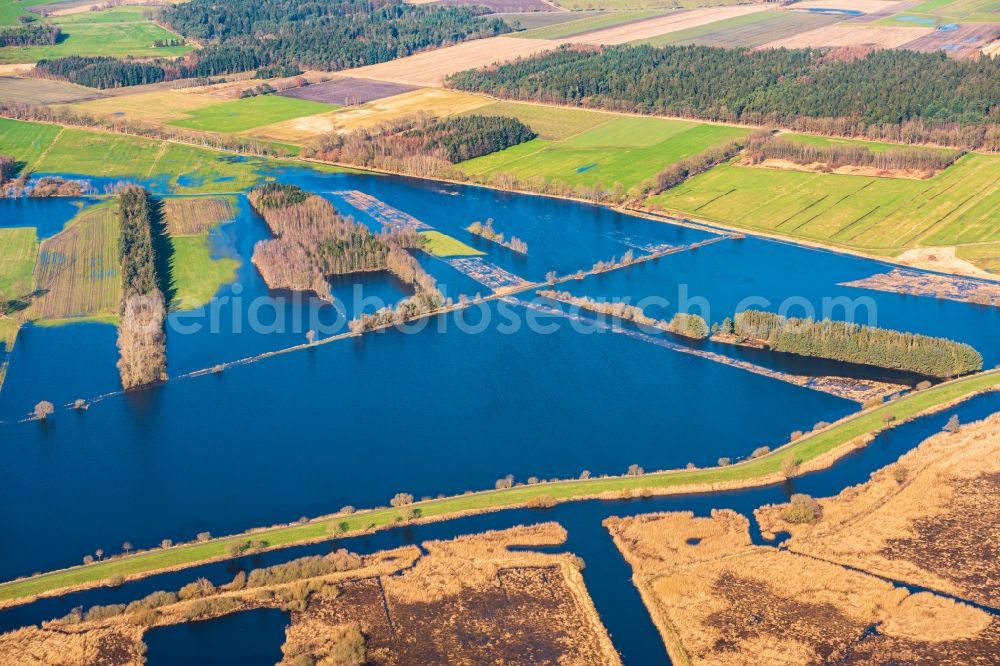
[(580, 26), (243, 114), (747, 31), (618, 149), (880, 215), (98, 154), (748, 472), (10, 10), (195, 274), (120, 31), (26, 141), (18, 249), (443, 245)]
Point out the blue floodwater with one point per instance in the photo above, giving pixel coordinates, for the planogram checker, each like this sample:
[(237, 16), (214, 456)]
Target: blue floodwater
[(48, 215), (440, 409), (607, 576), (249, 638)]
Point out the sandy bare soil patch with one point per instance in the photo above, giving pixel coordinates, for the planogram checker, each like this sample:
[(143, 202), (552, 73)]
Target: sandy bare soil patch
[(43, 91), (863, 6), (932, 519), (846, 34), (901, 281), (846, 170), (718, 599), (430, 67), (662, 25), (941, 259), (436, 101), (13, 69), (79, 7)]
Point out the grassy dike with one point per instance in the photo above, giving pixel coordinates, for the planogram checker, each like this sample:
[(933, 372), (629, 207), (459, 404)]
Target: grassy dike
[(759, 471)]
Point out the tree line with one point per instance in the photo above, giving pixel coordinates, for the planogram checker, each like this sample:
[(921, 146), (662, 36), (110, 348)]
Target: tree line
[(31, 34), (766, 146), (284, 35), (312, 241), (141, 335), (682, 323), (486, 230), (422, 145), (854, 343), (926, 92)]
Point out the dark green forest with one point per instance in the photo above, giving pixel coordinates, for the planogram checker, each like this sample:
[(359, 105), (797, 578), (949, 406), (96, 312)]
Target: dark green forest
[(772, 87), (853, 343), (30, 34), (284, 36)]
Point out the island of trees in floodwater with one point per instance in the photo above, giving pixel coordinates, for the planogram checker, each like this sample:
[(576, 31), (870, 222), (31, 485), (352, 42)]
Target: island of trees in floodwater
[(855, 343)]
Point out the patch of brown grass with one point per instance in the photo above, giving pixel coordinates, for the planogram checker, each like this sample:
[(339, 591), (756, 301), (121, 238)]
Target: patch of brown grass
[(718, 599), (189, 216), (930, 519)]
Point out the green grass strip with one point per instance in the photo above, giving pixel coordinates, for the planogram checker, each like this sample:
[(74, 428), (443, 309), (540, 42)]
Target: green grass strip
[(805, 449)]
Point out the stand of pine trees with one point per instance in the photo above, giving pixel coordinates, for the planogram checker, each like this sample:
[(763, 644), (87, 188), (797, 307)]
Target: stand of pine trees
[(886, 94), (853, 343), (141, 335)]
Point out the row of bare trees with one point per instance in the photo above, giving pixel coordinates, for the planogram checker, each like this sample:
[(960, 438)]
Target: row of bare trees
[(764, 146), (486, 230), (312, 241)]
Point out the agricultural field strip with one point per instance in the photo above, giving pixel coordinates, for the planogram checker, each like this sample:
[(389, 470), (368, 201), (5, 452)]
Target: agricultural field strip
[(758, 471)]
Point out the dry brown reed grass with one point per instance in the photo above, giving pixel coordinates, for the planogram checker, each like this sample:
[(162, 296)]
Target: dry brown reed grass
[(928, 519)]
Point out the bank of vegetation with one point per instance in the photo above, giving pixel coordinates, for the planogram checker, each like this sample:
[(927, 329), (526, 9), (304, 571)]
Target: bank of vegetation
[(682, 323), (820, 445), (855, 343), (422, 145), (313, 242), (486, 230), (141, 334), (764, 147), (274, 35), (893, 95)]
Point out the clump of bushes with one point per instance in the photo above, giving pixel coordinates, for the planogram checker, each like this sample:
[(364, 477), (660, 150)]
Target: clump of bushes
[(802, 509)]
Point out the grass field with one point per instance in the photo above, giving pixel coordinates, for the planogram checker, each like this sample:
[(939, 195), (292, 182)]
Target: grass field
[(745, 31), (614, 149), (26, 141), (747, 473), (881, 215), (580, 26), (77, 269), (98, 154), (189, 216), (18, 248), (120, 31), (240, 115), (986, 255), (10, 10), (195, 274), (443, 245), (160, 106)]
